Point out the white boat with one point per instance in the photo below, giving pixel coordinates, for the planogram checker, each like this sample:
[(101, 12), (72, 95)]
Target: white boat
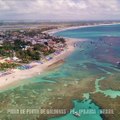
[(76, 114)]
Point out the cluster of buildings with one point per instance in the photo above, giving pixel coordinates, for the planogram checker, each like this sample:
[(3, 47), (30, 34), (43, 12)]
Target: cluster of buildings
[(33, 36)]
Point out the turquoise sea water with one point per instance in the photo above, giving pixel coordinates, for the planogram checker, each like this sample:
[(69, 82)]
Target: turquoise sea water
[(83, 59), (98, 58), (82, 107), (91, 32)]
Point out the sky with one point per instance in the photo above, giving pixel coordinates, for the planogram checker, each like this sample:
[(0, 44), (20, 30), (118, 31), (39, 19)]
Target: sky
[(67, 10)]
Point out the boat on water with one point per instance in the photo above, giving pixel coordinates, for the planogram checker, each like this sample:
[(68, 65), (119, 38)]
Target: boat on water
[(81, 50), (118, 65), (76, 114)]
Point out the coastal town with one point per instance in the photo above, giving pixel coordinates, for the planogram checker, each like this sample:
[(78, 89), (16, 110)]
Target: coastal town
[(25, 47), (18, 48), (59, 59)]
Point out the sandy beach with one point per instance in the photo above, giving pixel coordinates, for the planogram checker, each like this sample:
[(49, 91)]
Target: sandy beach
[(18, 75)]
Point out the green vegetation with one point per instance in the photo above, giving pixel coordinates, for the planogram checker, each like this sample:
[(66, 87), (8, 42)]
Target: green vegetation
[(4, 66)]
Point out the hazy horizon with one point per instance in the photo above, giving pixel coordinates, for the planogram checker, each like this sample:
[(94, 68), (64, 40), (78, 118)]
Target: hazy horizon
[(59, 10), (54, 21)]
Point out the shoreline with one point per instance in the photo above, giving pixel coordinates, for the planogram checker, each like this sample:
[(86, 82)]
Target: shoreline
[(52, 32), (18, 75)]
